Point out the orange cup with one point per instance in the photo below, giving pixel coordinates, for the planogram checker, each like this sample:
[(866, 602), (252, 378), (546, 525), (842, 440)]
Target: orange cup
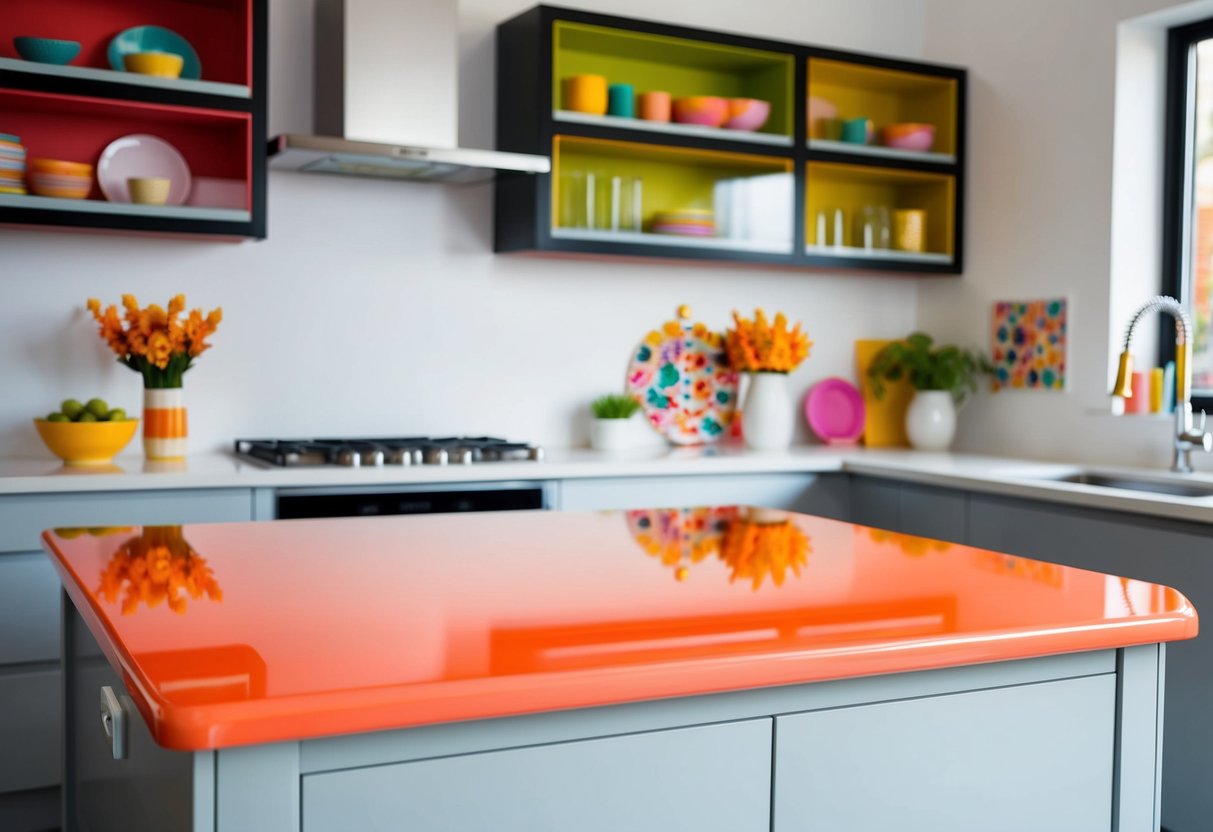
[(586, 94), (654, 106)]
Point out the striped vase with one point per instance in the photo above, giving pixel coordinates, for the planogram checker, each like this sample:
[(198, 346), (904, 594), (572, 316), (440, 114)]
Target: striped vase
[(164, 429)]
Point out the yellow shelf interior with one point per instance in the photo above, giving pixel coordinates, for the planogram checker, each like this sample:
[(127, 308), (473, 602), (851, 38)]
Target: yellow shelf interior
[(673, 178), (886, 96), (851, 187), (678, 66)]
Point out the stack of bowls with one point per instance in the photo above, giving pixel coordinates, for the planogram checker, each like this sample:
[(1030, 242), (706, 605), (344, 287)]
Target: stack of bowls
[(688, 222), (63, 180), (12, 165)]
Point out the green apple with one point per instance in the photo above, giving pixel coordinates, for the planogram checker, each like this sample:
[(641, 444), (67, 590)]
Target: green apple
[(116, 415), (57, 417), (71, 408), (98, 408), (87, 416)]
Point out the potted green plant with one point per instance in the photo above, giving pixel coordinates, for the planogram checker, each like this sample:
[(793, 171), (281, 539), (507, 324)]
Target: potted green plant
[(942, 378), (612, 429)]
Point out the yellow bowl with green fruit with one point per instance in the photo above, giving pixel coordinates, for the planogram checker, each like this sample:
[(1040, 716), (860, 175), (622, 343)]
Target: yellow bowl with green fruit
[(86, 434)]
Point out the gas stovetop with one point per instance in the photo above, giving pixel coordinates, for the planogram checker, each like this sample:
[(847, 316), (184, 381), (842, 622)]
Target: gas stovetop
[(369, 453)]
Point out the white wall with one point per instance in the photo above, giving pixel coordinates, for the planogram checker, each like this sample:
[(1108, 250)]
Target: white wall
[(1041, 107), (380, 308)]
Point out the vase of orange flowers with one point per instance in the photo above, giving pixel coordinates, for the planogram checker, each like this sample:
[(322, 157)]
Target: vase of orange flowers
[(161, 345), (767, 351)]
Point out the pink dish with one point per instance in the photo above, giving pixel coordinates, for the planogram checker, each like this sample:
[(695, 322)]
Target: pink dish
[(747, 113), (705, 110), (835, 411), (146, 156), (916, 137)]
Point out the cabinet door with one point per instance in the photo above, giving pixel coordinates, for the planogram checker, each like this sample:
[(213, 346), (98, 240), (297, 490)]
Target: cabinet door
[(909, 508), (1032, 757), (702, 779), (1168, 553), (29, 609), (825, 495), (24, 516), (29, 729)]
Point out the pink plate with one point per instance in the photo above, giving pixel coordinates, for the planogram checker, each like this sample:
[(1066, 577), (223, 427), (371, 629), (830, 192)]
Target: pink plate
[(140, 155), (834, 409)]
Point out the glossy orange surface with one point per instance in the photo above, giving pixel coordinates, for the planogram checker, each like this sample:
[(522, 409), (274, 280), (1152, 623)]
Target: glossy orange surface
[(258, 632)]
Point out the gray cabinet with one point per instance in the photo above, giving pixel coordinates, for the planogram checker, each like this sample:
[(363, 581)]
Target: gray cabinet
[(29, 623), (953, 763), (1175, 554), (908, 508), (714, 777), (826, 495)]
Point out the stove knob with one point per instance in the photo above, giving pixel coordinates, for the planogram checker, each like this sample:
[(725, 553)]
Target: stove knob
[(435, 456), (462, 456), (535, 454)]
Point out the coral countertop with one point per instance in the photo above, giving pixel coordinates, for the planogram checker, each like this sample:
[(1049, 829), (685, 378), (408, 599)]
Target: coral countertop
[(291, 630)]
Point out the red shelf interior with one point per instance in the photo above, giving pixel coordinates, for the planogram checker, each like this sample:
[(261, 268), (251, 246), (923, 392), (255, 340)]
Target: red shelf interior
[(214, 143), (219, 30)]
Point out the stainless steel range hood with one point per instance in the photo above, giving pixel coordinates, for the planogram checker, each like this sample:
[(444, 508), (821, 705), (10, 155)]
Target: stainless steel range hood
[(386, 81)]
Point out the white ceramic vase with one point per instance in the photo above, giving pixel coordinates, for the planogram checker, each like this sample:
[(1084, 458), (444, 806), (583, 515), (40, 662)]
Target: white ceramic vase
[(612, 434), (931, 420), (768, 417)]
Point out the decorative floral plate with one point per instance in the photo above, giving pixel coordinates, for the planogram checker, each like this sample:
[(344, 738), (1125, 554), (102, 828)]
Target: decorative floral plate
[(681, 376)]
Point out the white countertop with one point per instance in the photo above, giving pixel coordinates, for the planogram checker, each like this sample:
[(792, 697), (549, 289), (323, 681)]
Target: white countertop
[(996, 475)]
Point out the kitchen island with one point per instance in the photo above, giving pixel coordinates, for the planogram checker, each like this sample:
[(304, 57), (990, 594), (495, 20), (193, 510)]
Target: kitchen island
[(710, 668)]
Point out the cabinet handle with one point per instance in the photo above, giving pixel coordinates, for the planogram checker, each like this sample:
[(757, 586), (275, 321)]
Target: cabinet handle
[(113, 722)]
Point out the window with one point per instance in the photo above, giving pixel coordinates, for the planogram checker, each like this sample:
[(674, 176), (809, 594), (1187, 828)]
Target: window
[(1188, 206)]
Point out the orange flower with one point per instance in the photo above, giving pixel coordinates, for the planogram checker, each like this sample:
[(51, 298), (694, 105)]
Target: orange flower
[(159, 348), (760, 346), (155, 341)]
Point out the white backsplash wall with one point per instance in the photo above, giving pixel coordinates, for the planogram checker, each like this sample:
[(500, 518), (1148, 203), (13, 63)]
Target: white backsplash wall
[(1039, 214), (379, 307)]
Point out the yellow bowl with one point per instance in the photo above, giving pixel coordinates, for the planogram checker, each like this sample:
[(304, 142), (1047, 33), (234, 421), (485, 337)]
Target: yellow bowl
[(160, 64), (86, 443)]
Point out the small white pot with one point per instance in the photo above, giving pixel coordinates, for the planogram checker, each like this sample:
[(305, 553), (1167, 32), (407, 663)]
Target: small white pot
[(612, 434), (931, 420), (768, 417)]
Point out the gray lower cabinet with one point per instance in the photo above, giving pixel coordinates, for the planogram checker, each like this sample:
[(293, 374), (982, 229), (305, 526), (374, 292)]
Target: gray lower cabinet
[(30, 712), (936, 763), (922, 510), (1171, 553), (713, 777), (826, 495)]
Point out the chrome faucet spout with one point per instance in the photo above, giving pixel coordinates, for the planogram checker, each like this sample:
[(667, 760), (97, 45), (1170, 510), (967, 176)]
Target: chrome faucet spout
[(1187, 437)]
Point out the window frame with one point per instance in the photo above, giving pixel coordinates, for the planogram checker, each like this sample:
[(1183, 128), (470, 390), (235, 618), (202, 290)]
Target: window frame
[(1178, 178)]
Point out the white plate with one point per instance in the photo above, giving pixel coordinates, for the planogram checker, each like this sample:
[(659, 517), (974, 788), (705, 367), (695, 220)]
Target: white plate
[(142, 155)]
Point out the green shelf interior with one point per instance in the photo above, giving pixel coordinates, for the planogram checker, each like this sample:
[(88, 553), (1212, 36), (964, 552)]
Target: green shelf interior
[(678, 66), (673, 179), (887, 96), (851, 187)]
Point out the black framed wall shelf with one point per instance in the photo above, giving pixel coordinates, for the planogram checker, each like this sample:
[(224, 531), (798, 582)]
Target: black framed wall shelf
[(215, 121), (801, 189)]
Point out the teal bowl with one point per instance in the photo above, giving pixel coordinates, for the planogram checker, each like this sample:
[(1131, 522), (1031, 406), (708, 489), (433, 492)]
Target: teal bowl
[(46, 50)]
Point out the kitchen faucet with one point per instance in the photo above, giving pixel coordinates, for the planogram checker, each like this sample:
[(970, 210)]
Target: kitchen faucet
[(1186, 436)]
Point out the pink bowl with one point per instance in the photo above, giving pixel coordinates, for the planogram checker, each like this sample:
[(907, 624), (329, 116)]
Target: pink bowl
[(747, 113), (916, 137), (707, 110)]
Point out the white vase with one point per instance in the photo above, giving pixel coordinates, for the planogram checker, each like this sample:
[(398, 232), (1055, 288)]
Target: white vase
[(612, 434), (931, 420), (768, 417)]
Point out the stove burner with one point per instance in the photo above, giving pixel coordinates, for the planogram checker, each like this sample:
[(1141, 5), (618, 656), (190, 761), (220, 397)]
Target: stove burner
[(372, 453)]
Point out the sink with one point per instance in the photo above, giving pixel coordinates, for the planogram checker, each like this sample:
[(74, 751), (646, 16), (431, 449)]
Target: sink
[(1173, 488)]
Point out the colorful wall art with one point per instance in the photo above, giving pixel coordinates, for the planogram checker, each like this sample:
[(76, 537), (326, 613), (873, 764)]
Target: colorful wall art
[(1029, 344)]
